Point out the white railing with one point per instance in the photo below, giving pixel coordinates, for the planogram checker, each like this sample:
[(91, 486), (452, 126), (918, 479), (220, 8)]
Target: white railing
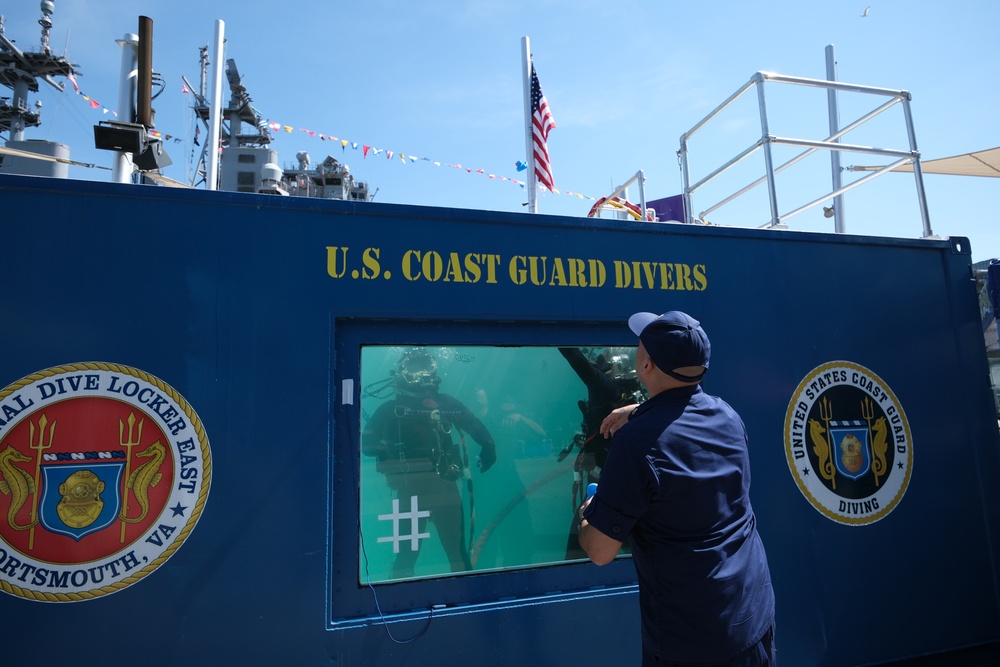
[(831, 143)]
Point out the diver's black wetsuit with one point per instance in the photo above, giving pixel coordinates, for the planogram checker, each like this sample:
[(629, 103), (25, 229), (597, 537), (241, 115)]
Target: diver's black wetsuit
[(411, 438), (603, 396)]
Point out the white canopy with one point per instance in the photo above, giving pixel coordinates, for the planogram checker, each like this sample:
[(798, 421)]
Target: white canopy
[(979, 163)]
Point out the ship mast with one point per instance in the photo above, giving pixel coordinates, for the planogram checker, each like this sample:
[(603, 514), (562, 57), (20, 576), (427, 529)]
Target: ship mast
[(238, 113), (21, 70)]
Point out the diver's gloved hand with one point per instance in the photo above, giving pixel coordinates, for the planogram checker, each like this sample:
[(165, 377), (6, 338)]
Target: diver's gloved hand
[(487, 457)]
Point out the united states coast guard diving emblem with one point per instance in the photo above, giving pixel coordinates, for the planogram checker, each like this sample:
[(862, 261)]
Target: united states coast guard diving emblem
[(104, 472), (848, 443)]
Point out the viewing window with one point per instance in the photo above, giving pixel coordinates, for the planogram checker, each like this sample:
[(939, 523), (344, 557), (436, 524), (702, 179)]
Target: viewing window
[(430, 415)]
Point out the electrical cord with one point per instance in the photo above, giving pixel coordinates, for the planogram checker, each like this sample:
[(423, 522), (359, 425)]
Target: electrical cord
[(355, 449)]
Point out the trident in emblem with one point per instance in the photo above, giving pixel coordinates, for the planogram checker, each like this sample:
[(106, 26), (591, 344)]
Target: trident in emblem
[(868, 413), (39, 446), (826, 467), (134, 438)]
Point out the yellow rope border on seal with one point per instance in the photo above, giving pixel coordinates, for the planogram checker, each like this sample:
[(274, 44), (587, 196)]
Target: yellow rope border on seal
[(199, 504)]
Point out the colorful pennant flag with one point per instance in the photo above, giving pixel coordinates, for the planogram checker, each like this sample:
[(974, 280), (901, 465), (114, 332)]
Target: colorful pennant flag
[(543, 120)]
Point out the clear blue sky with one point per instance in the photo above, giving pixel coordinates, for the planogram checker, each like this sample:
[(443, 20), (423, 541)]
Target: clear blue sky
[(441, 79)]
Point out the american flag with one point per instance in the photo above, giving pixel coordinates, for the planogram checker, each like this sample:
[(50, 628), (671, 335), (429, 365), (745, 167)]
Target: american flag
[(541, 123)]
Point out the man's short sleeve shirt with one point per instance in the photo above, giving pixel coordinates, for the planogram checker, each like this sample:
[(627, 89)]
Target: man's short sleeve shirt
[(676, 485)]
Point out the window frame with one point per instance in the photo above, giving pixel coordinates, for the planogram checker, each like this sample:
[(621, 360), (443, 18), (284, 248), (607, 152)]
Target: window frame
[(351, 602)]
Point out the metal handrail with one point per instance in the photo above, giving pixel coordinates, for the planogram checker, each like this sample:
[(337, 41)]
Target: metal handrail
[(641, 178), (795, 159), (830, 143)]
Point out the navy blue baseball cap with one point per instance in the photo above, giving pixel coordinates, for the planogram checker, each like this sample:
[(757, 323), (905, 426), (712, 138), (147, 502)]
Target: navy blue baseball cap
[(673, 340)]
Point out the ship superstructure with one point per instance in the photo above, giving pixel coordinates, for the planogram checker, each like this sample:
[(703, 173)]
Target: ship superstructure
[(21, 70), (249, 164), (330, 179)]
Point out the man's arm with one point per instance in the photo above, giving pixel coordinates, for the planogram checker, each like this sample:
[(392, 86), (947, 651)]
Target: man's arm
[(477, 429), (599, 547), (618, 418), (515, 418)]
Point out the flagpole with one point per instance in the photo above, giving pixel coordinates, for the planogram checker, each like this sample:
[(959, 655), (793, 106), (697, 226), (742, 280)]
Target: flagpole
[(215, 109), (121, 166), (529, 147)]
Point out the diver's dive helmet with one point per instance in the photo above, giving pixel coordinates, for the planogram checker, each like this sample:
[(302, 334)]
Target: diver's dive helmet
[(621, 362), (618, 364), (416, 373)]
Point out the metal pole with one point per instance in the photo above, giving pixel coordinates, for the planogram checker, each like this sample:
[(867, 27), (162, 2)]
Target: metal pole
[(203, 65), (529, 143), (20, 87), (834, 111), (756, 78), (144, 95), (17, 125), (682, 154), (642, 194), (841, 132), (215, 109), (918, 173), (766, 139), (844, 189), (836, 85), (121, 164)]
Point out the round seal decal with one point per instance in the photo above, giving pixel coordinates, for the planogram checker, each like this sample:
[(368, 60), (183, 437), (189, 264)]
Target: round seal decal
[(848, 443), (104, 472)]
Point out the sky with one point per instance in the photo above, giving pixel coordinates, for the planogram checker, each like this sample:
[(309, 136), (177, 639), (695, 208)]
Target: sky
[(441, 81)]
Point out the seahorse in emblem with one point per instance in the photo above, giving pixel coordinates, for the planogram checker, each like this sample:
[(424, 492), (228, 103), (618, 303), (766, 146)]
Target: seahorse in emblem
[(879, 445), (146, 475), (821, 447), (15, 483)]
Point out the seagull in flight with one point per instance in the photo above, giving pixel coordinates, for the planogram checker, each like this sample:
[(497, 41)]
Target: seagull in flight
[(865, 13)]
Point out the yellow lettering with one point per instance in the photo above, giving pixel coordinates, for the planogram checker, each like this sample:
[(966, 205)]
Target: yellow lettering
[(558, 273), (577, 272), (533, 264), (331, 262), (648, 269), (666, 276), (493, 261), (700, 279), (473, 271), (684, 277), (409, 257), (623, 277), (515, 267), (370, 259), (432, 266), (598, 273), (477, 267), (637, 275), (454, 271)]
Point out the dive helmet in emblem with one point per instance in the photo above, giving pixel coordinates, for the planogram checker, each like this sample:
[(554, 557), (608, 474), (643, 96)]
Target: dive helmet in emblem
[(104, 472), (848, 443)]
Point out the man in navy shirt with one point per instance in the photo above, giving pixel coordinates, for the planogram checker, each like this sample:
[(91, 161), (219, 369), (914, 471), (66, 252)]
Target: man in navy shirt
[(676, 484)]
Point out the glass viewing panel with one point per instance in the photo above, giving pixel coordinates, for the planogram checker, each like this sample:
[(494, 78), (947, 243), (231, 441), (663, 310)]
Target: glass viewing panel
[(431, 414)]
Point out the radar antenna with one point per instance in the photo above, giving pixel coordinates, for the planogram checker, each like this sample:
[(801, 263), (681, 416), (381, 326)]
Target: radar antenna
[(239, 113), (21, 70)]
